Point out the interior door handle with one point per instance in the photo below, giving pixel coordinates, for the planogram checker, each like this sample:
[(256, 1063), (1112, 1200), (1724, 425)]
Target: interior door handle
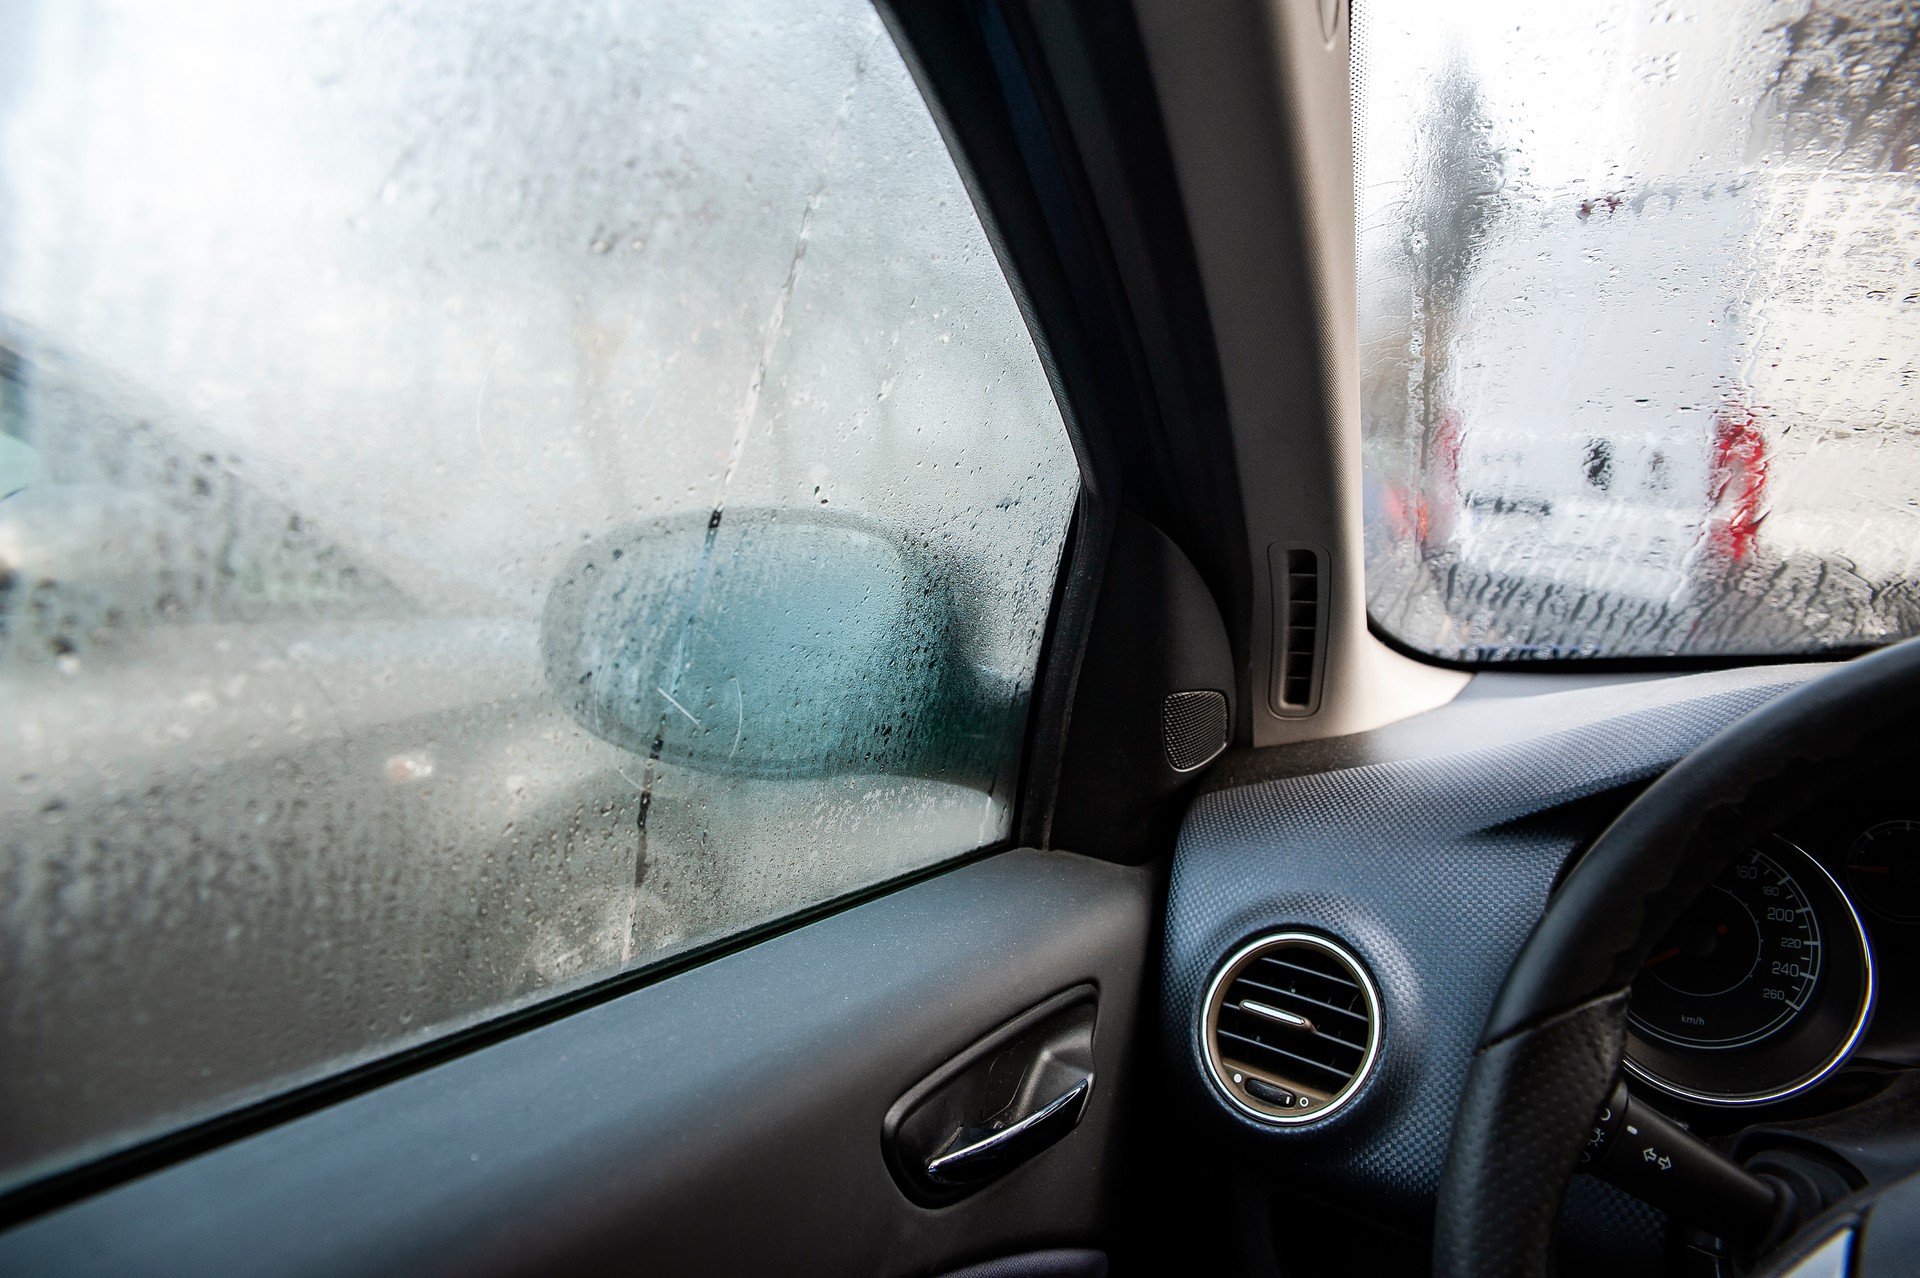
[(981, 1153), (1003, 1099)]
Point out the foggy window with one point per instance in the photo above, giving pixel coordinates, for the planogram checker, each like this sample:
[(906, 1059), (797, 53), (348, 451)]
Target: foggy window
[(1639, 299), (491, 495)]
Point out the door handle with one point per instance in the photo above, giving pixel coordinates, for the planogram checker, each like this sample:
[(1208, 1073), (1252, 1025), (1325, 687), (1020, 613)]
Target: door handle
[(981, 1153), (1009, 1096)]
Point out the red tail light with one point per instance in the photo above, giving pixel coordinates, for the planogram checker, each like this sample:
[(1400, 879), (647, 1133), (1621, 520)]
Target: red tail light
[(1737, 482)]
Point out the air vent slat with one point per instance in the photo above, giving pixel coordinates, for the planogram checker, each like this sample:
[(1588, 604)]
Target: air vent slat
[(1329, 1071), (1299, 985), (1339, 1060), (1282, 1070), (1313, 971), (1322, 1046), (1332, 1047), (1299, 629), (1343, 998), (1305, 998)]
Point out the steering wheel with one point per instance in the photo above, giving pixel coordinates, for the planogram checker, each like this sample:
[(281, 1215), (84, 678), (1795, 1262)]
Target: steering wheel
[(1550, 1054)]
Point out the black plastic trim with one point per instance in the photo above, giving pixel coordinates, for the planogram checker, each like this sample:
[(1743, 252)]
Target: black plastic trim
[(1661, 664), (1156, 631), (1063, 653)]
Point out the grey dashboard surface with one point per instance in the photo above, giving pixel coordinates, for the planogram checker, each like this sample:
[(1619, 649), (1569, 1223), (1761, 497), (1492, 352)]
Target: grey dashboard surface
[(725, 1119), (1430, 847)]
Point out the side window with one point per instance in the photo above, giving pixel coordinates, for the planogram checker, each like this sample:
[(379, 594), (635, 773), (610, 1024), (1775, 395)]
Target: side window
[(490, 496)]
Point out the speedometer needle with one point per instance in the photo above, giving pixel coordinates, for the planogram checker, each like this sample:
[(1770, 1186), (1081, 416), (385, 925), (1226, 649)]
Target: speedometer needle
[(1662, 956)]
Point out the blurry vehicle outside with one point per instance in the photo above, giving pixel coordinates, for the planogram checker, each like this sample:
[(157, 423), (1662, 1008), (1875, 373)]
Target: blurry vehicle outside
[(1640, 326)]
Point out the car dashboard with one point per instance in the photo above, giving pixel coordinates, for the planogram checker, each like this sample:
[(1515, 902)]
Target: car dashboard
[(1779, 1013)]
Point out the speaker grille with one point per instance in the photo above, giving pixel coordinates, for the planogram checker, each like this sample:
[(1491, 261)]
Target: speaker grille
[(1291, 1028), (1193, 728)]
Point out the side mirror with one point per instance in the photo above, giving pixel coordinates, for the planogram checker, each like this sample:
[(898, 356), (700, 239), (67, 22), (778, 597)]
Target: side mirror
[(776, 643)]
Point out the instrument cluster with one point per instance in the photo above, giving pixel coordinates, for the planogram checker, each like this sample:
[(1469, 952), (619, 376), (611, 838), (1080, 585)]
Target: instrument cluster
[(1798, 961)]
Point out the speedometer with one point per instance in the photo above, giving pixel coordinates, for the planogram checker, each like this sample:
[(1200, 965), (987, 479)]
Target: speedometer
[(1742, 962), (1760, 990)]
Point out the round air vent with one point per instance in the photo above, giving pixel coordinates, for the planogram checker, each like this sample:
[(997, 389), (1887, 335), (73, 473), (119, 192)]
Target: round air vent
[(1291, 1027)]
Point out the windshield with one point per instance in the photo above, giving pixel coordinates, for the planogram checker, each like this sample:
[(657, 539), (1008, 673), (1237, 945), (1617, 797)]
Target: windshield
[(1639, 307)]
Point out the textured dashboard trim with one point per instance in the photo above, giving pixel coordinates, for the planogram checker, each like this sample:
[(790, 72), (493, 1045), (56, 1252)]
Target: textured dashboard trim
[(1432, 861)]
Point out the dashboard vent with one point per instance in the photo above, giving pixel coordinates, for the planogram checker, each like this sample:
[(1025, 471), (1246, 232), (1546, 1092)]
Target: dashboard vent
[(1193, 728), (1299, 629), (1291, 1027)]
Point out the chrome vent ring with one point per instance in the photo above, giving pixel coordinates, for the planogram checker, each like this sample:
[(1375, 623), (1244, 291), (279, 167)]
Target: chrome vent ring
[(1291, 1027)]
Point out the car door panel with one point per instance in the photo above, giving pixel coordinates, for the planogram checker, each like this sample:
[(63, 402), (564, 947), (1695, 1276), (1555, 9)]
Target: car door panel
[(725, 1119)]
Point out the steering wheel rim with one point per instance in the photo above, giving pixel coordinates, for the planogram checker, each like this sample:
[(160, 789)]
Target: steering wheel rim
[(1552, 1045)]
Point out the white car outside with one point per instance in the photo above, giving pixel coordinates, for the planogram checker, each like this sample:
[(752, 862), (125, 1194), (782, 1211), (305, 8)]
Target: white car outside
[(1597, 429)]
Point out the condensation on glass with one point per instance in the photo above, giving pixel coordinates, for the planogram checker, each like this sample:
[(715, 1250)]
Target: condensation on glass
[(1639, 311), (490, 495)]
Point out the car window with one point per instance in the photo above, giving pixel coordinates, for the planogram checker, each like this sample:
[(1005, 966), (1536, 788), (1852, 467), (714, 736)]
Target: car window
[(1639, 325), (491, 496)]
